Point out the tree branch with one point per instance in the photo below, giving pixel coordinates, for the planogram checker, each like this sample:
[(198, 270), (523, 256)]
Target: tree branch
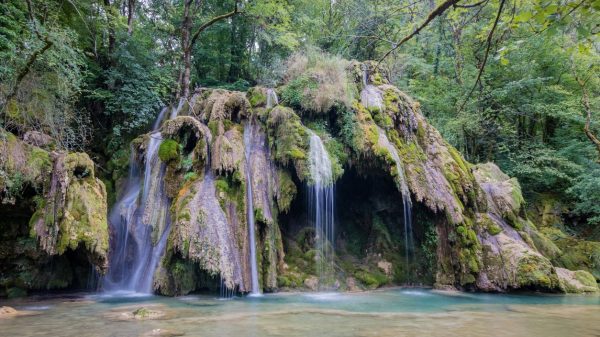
[(585, 100), (472, 5), (487, 53), (434, 14), (27, 68), (212, 21)]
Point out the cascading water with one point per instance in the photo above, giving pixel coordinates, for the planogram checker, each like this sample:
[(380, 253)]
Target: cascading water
[(175, 112), (372, 97), (404, 190), (139, 215), (272, 99), (321, 203), (248, 129)]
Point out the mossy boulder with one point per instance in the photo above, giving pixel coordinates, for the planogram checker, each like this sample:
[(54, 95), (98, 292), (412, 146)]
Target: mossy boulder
[(63, 216), (168, 150), (579, 281)]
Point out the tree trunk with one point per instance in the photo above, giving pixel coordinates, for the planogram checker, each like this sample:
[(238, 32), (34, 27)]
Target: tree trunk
[(111, 29), (587, 129), (130, 12), (186, 28)]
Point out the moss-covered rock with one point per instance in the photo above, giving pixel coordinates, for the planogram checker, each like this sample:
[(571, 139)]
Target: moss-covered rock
[(579, 281), (289, 140), (168, 150), (63, 216)]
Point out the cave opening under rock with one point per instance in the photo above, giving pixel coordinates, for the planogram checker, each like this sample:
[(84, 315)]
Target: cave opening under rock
[(369, 233)]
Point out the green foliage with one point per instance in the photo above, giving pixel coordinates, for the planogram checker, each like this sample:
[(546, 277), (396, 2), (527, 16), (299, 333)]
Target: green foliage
[(586, 192), (296, 92), (132, 88)]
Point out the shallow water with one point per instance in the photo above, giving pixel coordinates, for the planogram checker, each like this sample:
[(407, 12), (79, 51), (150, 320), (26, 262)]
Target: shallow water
[(392, 312)]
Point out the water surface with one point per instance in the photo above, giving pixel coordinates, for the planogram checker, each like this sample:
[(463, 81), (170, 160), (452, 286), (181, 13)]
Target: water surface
[(391, 312)]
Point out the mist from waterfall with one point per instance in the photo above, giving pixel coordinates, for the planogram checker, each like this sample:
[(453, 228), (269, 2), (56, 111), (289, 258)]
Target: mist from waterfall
[(136, 219), (321, 205), (248, 130)]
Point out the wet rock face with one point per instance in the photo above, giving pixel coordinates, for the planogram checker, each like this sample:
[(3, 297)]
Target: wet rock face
[(58, 233)]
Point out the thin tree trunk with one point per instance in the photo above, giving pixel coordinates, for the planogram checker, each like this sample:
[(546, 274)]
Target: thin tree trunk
[(187, 49), (27, 68), (111, 29), (587, 129), (130, 13)]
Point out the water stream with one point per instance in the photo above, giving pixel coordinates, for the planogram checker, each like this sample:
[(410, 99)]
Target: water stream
[(321, 204), (372, 97), (140, 222), (405, 191), (272, 99), (248, 129)]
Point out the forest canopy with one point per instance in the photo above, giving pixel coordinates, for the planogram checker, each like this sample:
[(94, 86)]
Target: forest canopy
[(515, 82)]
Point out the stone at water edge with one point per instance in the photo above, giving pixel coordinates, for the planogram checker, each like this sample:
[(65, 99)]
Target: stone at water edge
[(149, 312), (8, 312), (385, 266), (579, 281), (351, 284), (312, 283)]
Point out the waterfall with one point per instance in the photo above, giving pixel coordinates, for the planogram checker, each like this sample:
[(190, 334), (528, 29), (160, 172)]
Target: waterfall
[(272, 99), (159, 119), (404, 190), (175, 112), (141, 212), (321, 203), (248, 129), (370, 95)]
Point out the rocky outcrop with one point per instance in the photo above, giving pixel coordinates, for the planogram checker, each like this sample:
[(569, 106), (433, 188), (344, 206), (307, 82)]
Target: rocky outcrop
[(209, 236), (56, 217), (478, 236)]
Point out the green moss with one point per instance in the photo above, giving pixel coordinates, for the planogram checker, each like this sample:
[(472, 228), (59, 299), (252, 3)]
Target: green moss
[(579, 255), (371, 280), (288, 139), (168, 150), (256, 97), (286, 191), (494, 229), (544, 245), (536, 272), (141, 313), (338, 156), (377, 79), (190, 176), (391, 100)]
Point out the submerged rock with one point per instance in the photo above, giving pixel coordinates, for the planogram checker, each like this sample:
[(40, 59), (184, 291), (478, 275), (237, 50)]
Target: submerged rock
[(162, 333)]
